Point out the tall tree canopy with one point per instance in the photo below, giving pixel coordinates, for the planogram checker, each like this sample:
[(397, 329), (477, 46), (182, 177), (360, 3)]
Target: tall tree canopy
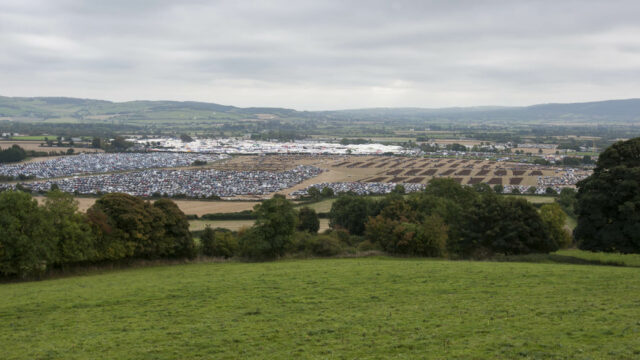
[(25, 245), (608, 202), (308, 220), (350, 212), (12, 154), (128, 226), (271, 234), (508, 226), (69, 229)]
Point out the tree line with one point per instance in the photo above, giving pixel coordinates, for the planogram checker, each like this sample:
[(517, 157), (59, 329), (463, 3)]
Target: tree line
[(444, 220), (13, 154), (36, 238)]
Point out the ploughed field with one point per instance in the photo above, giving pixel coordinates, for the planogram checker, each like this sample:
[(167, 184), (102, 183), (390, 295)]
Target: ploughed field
[(333, 308), (464, 171)]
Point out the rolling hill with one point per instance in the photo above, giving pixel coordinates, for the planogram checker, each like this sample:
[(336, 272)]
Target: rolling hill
[(62, 109)]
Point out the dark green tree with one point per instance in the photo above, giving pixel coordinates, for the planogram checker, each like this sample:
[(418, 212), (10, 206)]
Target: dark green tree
[(13, 154), (567, 201), (450, 189), (127, 226), (608, 201), (120, 144), (502, 225), (218, 243), (177, 237), (314, 193), (308, 220), (26, 249), (399, 189), (554, 219), (327, 192), (271, 234), (69, 230), (96, 142), (350, 212)]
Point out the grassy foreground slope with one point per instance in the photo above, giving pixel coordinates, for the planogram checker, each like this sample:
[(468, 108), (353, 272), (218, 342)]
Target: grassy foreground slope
[(336, 308)]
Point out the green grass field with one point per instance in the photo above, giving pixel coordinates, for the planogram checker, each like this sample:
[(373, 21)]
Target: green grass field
[(536, 199), (620, 259), (334, 308), (35, 138), (323, 206)]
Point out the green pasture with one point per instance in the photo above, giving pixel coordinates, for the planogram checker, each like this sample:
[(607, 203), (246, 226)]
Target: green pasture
[(35, 137), (537, 199), (359, 308), (610, 258)]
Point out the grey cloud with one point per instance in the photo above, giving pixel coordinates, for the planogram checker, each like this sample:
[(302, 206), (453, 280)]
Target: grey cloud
[(309, 54)]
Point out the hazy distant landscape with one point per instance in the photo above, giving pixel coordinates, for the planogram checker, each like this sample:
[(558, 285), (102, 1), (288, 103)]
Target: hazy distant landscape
[(611, 112)]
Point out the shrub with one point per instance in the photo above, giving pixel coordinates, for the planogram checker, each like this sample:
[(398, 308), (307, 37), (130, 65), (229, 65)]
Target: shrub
[(350, 212), (325, 245), (368, 246), (554, 219), (507, 226), (308, 220), (218, 243)]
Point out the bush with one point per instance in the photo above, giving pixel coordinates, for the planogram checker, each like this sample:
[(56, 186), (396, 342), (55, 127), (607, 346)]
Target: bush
[(554, 219), (508, 226), (308, 220), (253, 245), (316, 245), (368, 246), (423, 239), (218, 243), (350, 212), (325, 245)]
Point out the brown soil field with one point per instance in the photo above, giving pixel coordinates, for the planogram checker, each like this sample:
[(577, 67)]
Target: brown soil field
[(189, 207), (340, 168)]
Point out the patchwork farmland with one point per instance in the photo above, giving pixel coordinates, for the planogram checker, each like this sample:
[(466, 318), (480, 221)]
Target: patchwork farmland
[(422, 170)]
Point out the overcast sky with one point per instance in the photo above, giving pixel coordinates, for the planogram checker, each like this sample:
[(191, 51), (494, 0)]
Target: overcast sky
[(323, 54)]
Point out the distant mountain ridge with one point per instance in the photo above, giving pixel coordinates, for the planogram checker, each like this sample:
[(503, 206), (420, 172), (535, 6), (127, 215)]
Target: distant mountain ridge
[(62, 109)]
